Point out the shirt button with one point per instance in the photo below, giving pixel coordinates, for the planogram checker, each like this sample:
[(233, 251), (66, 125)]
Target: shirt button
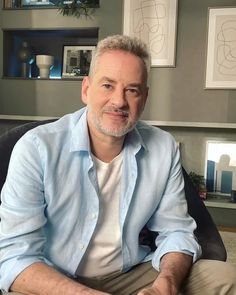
[(93, 215), (81, 246)]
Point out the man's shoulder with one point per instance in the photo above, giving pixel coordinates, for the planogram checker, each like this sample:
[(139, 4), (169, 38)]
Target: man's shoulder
[(52, 135), (60, 126), (150, 131), (157, 141)]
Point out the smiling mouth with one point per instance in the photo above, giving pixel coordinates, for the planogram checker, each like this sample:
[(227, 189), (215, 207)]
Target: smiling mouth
[(117, 113)]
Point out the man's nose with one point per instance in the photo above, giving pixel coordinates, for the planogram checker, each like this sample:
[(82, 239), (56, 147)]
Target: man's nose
[(118, 98)]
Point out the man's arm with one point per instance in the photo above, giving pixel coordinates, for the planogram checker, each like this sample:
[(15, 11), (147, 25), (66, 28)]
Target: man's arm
[(41, 279), (174, 268)]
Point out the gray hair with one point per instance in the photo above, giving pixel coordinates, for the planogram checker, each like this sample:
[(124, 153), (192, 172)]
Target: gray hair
[(121, 42)]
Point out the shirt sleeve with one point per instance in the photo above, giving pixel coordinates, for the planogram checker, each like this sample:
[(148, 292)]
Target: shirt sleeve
[(171, 219), (22, 216)]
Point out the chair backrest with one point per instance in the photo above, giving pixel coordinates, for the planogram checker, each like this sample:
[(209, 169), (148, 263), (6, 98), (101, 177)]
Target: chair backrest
[(206, 232), (7, 142)]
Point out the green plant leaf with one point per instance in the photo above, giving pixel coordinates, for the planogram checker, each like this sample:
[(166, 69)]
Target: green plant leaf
[(77, 8)]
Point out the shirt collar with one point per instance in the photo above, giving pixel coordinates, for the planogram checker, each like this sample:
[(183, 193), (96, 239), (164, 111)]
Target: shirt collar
[(79, 135), (134, 139)]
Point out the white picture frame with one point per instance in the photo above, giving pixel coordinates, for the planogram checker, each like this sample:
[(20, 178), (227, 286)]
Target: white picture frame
[(220, 167), (221, 48), (154, 22), (76, 61)]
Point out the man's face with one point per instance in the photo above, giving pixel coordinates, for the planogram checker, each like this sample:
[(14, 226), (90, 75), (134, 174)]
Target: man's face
[(116, 93)]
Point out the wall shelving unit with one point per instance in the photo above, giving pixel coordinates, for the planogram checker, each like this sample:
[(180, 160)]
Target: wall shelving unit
[(42, 41), (21, 23)]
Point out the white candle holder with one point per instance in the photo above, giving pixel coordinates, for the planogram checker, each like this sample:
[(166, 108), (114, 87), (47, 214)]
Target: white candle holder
[(45, 64)]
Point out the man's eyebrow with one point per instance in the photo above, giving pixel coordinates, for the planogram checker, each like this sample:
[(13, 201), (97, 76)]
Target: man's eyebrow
[(112, 81), (138, 85), (104, 78)]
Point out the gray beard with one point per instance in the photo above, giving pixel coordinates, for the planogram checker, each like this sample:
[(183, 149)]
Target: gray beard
[(115, 133)]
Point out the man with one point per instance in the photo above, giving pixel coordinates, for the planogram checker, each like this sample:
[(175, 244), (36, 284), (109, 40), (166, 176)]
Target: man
[(80, 190)]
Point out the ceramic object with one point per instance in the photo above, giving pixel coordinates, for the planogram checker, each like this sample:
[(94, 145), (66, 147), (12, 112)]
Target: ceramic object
[(26, 56), (45, 64)]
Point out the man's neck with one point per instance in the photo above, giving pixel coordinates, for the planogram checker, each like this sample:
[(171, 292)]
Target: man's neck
[(106, 148)]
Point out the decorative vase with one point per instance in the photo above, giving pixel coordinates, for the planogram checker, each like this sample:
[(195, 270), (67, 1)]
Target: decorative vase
[(44, 63), (26, 56)]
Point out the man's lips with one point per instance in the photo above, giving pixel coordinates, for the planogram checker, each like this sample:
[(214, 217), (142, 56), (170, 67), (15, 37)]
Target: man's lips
[(117, 113)]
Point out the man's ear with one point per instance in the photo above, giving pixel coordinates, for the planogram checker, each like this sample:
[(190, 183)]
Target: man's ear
[(84, 90), (145, 98)]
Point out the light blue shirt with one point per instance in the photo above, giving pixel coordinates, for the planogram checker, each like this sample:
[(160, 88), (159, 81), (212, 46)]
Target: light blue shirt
[(50, 203)]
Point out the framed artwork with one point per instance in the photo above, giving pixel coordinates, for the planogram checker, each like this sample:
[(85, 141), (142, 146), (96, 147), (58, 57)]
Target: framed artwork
[(155, 22), (36, 3), (56, 3), (221, 48), (220, 169), (76, 61)]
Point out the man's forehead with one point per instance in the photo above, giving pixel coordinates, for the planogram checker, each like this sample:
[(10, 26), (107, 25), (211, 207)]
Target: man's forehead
[(133, 83)]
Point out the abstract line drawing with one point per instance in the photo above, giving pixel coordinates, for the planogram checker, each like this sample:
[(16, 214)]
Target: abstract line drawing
[(147, 23), (226, 48), (221, 49), (153, 21)]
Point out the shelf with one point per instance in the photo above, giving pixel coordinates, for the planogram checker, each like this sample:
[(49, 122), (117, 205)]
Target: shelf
[(219, 201), (154, 123), (43, 79), (220, 204), (25, 118), (33, 78), (192, 124)]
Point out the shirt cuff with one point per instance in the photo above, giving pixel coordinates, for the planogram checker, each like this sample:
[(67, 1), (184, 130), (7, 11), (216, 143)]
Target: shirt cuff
[(176, 242)]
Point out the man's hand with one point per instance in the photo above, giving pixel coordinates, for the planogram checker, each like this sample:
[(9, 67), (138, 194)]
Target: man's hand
[(174, 268), (41, 279), (161, 286), (150, 291), (89, 291)]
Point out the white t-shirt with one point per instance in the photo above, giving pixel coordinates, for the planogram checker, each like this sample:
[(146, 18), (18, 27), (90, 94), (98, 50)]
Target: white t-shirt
[(103, 255)]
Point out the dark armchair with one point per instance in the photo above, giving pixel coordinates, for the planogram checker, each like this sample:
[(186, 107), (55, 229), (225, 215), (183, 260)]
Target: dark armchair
[(206, 232)]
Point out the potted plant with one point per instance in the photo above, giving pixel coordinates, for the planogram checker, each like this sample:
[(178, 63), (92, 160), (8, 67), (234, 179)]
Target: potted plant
[(77, 7), (200, 184)]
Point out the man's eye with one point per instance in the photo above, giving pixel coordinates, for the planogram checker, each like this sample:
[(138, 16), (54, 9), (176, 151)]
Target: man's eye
[(133, 91), (107, 86)]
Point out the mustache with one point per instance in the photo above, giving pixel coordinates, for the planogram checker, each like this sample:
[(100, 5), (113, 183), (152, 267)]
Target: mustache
[(116, 110)]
